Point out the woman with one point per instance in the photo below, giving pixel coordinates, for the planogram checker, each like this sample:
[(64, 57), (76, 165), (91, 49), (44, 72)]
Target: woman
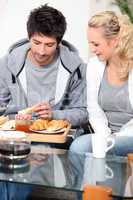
[(110, 82)]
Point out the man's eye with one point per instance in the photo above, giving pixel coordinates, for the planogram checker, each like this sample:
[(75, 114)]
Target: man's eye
[(36, 43), (50, 45)]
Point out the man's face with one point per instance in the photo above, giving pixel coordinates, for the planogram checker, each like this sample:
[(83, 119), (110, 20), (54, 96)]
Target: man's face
[(43, 49)]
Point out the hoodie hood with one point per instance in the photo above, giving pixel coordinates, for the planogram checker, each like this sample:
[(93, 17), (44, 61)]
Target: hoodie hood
[(18, 52)]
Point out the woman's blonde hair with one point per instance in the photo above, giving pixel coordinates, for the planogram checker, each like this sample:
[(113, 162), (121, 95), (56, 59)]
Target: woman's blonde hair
[(121, 27)]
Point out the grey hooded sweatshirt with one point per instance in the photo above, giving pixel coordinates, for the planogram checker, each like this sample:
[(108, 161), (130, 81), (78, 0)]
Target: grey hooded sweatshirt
[(70, 95)]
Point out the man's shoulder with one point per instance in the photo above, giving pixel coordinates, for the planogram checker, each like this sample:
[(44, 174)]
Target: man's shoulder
[(14, 58), (70, 57), (20, 44), (3, 66)]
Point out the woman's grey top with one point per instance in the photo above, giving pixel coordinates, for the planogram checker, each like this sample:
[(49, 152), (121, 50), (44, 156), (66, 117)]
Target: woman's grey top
[(114, 100)]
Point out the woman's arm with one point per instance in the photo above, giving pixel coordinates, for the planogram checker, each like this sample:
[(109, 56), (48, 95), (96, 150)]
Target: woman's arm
[(97, 116)]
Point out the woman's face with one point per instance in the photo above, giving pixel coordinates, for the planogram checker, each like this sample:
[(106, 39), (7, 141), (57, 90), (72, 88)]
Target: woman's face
[(102, 47)]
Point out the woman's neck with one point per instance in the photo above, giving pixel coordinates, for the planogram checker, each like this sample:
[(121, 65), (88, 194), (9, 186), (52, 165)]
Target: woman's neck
[(113, 74)]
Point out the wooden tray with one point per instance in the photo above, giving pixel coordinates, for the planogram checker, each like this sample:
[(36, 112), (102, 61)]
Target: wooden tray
[(50, 138)]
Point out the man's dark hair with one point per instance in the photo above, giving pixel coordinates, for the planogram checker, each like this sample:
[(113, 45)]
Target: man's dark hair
[(48, 21)]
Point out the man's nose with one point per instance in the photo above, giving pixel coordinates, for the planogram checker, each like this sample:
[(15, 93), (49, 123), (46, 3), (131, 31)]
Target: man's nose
[(42, 50)]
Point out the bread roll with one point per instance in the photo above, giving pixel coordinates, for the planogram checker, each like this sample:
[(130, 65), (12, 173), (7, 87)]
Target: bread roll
[(3, 119), (9, 125)]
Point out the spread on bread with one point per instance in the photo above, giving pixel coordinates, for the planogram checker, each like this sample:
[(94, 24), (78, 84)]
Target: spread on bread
[(29, 110), (49, 125)]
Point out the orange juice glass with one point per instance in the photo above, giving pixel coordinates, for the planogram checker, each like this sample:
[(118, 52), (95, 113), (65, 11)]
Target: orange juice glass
[(22, 125)]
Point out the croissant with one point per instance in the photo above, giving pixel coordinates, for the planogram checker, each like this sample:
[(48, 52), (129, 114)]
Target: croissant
[(50, 126), (56, 125), (39, 124)]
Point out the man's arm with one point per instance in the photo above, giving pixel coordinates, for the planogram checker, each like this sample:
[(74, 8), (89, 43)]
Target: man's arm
[(74, 107), (5, 95)]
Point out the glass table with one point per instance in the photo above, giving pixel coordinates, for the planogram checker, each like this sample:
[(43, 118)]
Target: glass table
[(54, 168)]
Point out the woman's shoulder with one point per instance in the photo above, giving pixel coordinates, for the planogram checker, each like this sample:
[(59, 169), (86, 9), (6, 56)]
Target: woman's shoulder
[(95, 65), (94, 60)]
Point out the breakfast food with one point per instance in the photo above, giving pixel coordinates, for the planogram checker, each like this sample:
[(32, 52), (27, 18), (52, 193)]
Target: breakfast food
[(8, 125), (49, 125), (3, 119), (39, 124), (29, 110), (54, 125)]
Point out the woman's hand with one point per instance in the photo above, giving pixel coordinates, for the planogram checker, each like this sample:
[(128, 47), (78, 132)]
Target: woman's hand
[(43, 110)]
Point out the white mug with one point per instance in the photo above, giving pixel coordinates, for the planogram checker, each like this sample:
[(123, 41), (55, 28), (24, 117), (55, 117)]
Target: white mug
[(101, 171), (96, 170), (101, 144)]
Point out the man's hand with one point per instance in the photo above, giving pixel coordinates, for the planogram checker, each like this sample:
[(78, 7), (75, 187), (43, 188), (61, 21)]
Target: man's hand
[(43, 110), (23, 116)]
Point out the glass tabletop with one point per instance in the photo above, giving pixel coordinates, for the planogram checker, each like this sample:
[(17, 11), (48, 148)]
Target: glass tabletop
[(56, 168), (47, 167)]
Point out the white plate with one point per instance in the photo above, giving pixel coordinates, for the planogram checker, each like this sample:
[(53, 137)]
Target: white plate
[(8, 126), (7, 129), (49, 132), (12, 134)]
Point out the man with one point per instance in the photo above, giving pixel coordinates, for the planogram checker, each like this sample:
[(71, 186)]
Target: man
[(44, 71)]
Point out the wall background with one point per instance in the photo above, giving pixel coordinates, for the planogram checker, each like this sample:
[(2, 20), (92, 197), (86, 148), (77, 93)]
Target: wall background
[(13, 17)]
